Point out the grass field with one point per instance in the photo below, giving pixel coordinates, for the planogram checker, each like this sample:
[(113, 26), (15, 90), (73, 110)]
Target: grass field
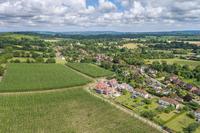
[(24, 77), (191, 63), (132, 45), (90, 69), (66, 111), (180, 122)]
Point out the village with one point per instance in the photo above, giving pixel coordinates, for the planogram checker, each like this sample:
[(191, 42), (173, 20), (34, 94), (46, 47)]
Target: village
[(161, 106)]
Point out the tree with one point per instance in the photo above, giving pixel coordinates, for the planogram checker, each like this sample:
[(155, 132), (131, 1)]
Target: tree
[(187, 98), (191, 128), (1, 70)]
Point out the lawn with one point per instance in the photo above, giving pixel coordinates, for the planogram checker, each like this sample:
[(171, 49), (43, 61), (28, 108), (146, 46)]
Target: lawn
[(180, 122), (191, 63), (165, 117), (67, 111), (25, 77), (90, 69)]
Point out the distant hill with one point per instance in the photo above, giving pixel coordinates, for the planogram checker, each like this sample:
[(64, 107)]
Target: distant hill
[(108, 34)]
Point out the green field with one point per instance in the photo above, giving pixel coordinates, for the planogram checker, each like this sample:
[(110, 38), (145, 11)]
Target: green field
[(180, 122), (191, 63), (136, 104), (24, 77), (90, 69), (67, 111), (132, 45)]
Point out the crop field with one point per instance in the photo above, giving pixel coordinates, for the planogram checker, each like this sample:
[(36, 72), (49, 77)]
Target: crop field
[(24, 77), (191, 63), (90, 69), (69, 110)]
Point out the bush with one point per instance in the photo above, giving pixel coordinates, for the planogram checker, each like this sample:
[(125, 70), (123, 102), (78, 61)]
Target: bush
[(15, 61), (51, 60), (146, 101), (191, 115), (39, 60), (169, 109), (124, 92), (148, 114)]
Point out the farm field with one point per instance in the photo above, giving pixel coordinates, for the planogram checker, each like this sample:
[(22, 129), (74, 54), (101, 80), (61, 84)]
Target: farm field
[(90, 69), (70, 110), (191, 63), (25, 77), (132, 45)]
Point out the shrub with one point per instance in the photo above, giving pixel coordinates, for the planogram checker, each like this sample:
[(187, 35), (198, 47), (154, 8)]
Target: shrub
[(148, 114), (51, 60), (191, 115), (146, 101)]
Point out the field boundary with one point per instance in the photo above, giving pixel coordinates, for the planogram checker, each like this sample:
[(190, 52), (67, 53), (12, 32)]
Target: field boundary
[(87, 73), (43, 91)]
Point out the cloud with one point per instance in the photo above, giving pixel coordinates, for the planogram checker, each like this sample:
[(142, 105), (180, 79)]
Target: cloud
[(36, 13)]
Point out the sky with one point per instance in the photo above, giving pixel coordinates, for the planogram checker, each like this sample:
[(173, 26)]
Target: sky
[(99, 15)]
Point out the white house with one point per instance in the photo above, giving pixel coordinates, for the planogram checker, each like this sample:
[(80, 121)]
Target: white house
[(140, 92)]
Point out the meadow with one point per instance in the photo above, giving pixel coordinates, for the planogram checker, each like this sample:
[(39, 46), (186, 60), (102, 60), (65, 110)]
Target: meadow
[(26, 77), (67, 111), (132, 45), (191, 63), (90, 69)]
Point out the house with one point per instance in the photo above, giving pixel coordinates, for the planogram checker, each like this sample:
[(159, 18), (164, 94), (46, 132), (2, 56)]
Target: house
[(195, 90), (102, 88), (165, 102), (124, 86), (173, 78), (188, 87), (113, 83), (140, 92), (197, 114)]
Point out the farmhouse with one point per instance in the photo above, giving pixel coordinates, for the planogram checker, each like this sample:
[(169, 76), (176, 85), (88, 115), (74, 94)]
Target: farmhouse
[(140, 92), (197, 114), (165, 101)]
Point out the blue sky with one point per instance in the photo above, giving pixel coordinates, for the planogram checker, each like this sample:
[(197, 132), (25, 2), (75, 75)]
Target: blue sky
[(99, 15)]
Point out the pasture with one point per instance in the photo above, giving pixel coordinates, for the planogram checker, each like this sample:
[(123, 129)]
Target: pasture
[(25, 77), (191, 63), (90, 69), (67, 111)]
